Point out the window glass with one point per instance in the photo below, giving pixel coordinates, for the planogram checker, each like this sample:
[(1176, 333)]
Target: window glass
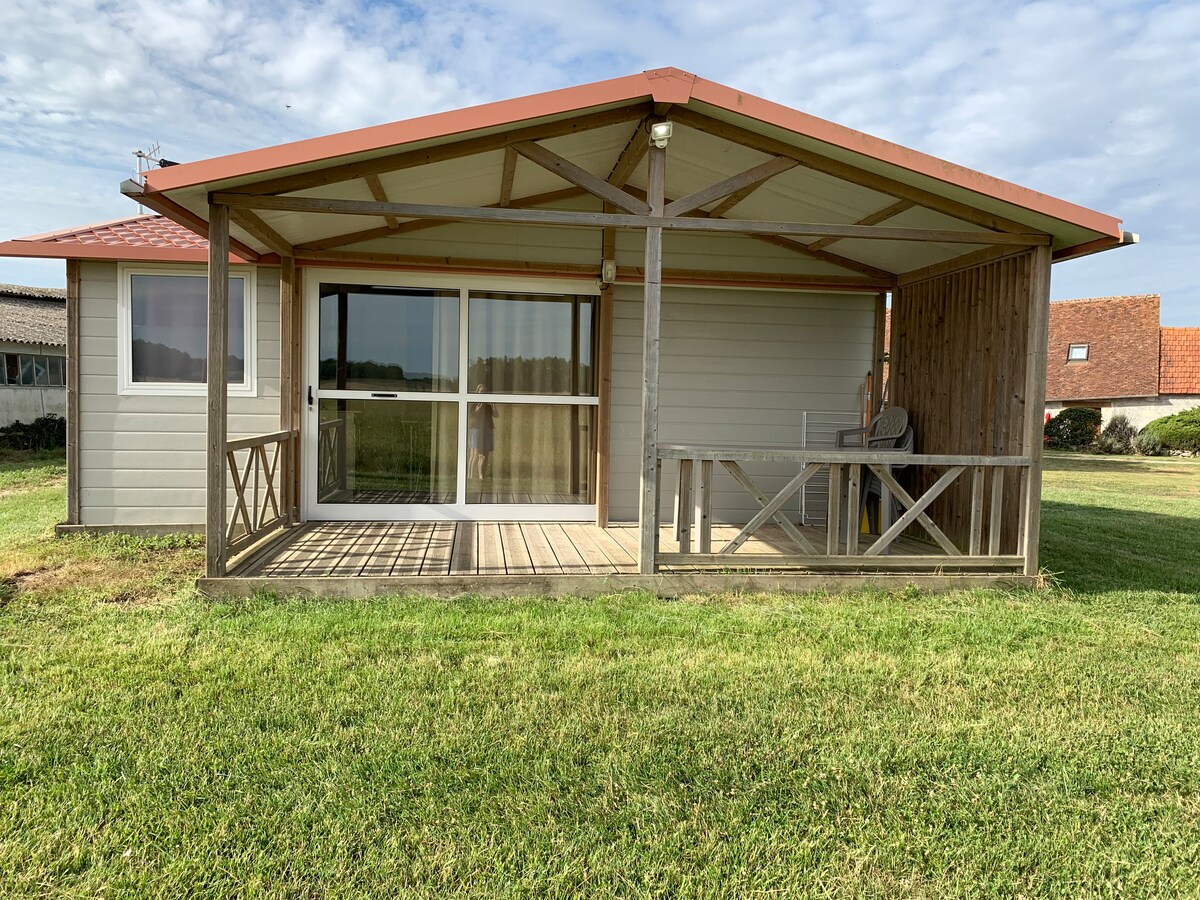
[(1077, 352), (529, 453), (12, 368), (27, 377), (530, 344), (169, 329), (387, 451), (55, 364), (388, 339), (41, 371)]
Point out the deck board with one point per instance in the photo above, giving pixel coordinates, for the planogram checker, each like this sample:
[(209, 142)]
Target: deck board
[(449, 549)]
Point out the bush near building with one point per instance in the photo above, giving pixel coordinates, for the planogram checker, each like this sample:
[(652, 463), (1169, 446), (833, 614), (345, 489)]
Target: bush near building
[(1074, 428), (1180, 431)]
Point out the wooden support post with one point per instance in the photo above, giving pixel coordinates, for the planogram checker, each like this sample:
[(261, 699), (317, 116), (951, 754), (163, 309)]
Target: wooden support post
[(704, 541), (1035, 400), (651, 316), (833, 517), (976, 539), (218, 353), (604, 385), (881, 351), (289, 384), (853, 515), (683, 523), (72, 380)]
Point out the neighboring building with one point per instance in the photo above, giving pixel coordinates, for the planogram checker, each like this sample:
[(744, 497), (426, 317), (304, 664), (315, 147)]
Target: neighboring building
[(33, 345), (1110, 354), (549, 311)]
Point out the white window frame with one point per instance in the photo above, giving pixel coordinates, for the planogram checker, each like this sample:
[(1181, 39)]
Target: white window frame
[(459, 510), (126, 386), (1087, 352)]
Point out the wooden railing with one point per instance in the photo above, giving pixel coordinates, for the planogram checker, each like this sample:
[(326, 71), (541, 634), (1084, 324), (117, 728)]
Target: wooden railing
[(261, 488), (989, 526)]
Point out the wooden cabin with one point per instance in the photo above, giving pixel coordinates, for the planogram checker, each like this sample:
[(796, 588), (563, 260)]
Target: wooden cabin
[(601, 337)]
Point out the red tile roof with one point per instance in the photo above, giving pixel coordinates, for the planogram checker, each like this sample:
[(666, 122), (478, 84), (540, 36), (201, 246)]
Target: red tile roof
[(146, 237), (1179, 361), (1122, 338)]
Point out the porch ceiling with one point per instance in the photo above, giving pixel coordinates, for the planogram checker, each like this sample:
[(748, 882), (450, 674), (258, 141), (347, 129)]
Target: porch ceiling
[(842, 178)]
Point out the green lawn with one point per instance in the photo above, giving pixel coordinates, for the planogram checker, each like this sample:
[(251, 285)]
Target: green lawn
[(1039, 744)]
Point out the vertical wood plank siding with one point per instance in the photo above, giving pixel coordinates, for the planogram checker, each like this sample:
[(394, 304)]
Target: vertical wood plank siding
[(959, 348)]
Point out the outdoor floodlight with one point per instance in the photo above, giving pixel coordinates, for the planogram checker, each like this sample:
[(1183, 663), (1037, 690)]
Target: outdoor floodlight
[(660, 133)]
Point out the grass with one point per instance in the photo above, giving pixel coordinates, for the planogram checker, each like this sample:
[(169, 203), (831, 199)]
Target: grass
[(878, 744)]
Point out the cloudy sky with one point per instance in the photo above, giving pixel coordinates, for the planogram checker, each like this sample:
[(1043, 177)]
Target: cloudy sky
[(1096, 101)]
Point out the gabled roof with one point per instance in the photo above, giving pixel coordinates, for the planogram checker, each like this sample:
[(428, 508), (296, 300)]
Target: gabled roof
[(661, 86), (145, 237), (1179, 361), (465, 158), (1122, 335), (33, 315)]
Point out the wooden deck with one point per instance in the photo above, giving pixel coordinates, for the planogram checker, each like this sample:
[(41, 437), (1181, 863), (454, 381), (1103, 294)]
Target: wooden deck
[(390, 549)]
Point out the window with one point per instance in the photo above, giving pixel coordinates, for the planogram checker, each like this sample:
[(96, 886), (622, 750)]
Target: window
[(32, 370), (163, 329), (1077, 353)]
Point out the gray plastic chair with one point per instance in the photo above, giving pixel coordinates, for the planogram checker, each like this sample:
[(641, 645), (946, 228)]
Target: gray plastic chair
[(881, 433)]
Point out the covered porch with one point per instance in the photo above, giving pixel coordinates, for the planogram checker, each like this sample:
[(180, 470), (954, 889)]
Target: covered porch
[(647, 188)]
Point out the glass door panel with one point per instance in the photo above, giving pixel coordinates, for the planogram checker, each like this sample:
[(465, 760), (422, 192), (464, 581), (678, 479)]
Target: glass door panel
[(387, 451), (530, 344), (529, 453), (388, 339)]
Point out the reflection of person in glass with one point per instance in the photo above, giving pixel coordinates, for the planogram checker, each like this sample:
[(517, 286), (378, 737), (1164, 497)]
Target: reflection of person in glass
[(481, 436)]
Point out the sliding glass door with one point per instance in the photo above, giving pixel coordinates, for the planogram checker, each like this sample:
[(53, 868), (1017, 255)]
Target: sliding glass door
[(450, 403)]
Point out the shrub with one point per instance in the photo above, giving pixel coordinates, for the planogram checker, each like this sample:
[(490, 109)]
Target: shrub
[(1117, 436), (44, 433), (1148, 444), (1178, 432), (1073, 429)]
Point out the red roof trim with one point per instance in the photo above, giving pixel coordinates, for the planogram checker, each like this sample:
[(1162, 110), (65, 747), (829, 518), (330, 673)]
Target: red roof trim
[(666, 85)]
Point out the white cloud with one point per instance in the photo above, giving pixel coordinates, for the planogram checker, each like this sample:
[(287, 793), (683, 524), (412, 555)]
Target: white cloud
[(1092, 101)]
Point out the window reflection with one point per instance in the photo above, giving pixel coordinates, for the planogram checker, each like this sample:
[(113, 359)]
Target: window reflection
[(530, 344), (169, 328), (386, 451), (527, 453), (388, 339)]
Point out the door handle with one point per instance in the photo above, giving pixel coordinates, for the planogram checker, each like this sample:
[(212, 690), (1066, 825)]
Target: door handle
[(385, 396), (310, 397)]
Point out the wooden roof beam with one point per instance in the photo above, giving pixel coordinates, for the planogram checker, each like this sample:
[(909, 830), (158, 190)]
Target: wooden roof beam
[(375, 186), (874, 218), (580, 177), (407, 159), (354, 237), (751, 178), (507, 174), (847, 172), (631, 156), (570, 218), (260, 230)]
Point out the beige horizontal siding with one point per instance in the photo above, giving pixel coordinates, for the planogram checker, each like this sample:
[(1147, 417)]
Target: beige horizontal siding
[(738, 367), (142, 457)]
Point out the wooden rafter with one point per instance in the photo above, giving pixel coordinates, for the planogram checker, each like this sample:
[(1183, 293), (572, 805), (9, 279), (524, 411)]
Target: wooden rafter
[(507, 174), (751, 178), (260, 230), (734, 199), (369, 234), (580, 177), (629, 158), (628, 274), (375, 186), (572, 218), (844, 262), (847, 172), (874, 218), (407, 159)]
